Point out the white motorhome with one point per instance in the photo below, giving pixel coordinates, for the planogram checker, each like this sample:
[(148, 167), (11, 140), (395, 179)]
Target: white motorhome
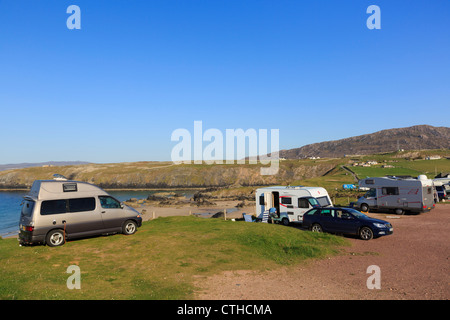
[(399, 194), (442, 186), (291, 202)]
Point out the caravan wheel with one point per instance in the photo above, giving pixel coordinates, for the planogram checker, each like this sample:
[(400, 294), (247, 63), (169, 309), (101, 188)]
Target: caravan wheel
[(285, 221), (399, 211)]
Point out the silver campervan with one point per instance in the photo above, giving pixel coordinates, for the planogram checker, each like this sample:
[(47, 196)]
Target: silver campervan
[(56, 210)]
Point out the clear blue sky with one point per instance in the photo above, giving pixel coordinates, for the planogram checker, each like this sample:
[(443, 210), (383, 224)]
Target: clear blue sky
[(137, 70)]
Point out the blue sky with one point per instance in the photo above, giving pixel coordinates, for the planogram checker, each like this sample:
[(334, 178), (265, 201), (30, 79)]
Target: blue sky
[(115, 90)]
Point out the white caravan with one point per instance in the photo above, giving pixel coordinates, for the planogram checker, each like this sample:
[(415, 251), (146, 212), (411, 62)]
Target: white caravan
[(291, 202), (442, 186), (397, 194)]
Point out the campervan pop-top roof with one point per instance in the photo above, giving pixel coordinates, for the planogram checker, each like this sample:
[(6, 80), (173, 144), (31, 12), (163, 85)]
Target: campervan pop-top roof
[(54, 189)]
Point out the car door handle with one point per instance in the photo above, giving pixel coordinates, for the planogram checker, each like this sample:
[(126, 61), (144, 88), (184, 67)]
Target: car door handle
[(103, 211)]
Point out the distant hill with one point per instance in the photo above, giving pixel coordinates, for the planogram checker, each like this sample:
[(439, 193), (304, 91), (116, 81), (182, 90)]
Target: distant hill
[(421, 137), (40, 164)]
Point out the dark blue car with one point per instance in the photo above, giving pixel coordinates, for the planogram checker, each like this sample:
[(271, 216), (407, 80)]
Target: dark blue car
[(345, 220)]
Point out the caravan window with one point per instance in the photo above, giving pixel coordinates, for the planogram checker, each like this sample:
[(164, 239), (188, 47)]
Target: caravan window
[(323, 201), (389, 191), (286, 200), (303, 203), (261, 199)]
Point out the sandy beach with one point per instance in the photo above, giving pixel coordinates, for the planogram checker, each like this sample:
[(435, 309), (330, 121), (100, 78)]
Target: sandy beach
[(149, 212)]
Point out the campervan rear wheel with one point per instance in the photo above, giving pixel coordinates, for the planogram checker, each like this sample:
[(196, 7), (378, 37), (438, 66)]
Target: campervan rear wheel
[(285, 221), (129, 227), (55, 238), (399, 211)]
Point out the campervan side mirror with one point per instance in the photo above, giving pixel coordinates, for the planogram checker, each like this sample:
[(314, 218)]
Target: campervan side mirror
[(121, 205)]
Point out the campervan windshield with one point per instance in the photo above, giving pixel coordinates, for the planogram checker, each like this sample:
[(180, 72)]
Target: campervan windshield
[(372, 193)]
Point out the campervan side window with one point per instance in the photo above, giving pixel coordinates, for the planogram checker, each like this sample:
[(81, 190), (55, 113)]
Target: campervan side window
[(286, 200), (109, 202), (53, 207), (389, 191), (81, 204)]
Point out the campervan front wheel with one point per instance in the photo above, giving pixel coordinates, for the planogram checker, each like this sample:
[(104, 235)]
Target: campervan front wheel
[(129, 227), (364, 207)]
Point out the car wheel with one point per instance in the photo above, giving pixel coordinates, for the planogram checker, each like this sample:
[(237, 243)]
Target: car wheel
[(316, 228), (366, 233), (365, 207), (129, 227), (55, 238), (285, 221)]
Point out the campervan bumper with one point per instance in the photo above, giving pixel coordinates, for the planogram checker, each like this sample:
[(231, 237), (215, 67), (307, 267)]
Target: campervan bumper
[(28, 237)]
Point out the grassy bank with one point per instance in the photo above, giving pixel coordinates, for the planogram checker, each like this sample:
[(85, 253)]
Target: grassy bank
[(161, 261)]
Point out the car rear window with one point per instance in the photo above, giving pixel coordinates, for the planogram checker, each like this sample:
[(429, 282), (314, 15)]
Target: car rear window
[(53, 207), (327, 213), (27, 208)]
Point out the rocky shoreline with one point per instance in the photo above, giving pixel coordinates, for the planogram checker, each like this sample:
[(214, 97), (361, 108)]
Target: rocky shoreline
[(210, 203)]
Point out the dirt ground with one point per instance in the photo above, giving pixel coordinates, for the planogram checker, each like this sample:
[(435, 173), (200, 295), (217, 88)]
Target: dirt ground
[(414, 264)]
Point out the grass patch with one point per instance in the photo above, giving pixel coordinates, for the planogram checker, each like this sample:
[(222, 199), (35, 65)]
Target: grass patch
[(160, 261)]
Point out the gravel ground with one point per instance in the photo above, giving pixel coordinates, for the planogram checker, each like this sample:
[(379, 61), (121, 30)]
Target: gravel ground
[(414, 264)]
